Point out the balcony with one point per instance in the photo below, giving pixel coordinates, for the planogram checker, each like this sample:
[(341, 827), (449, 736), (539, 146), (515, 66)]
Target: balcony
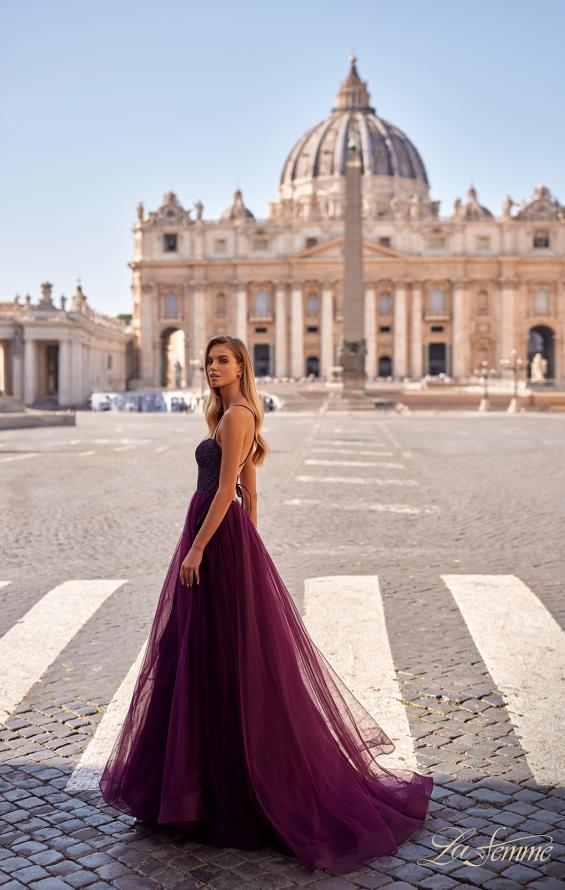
[(259, 317)]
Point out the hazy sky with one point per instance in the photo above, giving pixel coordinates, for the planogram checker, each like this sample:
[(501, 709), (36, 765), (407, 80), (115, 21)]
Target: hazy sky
[(105, 104)]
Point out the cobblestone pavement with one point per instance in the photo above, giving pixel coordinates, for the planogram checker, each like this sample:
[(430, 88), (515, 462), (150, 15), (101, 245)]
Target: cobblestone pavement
[(442, 510)]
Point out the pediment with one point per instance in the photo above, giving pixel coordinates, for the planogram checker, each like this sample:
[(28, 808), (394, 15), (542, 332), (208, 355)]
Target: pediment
[(333, 250)]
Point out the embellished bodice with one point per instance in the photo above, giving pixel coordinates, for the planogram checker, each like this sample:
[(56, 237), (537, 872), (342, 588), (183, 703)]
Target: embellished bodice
[(208, 454), (209, 458)]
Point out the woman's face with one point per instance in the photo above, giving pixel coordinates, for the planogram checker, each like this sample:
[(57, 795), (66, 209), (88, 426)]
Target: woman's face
[(222, 366)]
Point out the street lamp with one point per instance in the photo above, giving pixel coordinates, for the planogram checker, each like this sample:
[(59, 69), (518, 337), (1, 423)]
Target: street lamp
[(514, 364), (484, 372), (196, 364)]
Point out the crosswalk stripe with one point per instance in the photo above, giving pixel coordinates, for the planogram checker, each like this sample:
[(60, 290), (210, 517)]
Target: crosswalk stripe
[(31, 645), (88, 770), (344, 615), (409, 509), (369, 453), (355, 480), (523, 648), (320, 462), (6, 460), (367, 442)]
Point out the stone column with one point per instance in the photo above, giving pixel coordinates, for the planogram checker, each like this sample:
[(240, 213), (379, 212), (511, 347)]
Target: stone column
[(77, 385), (399, 332), (65, 374), (148, 370), (30, 370), (326, 339), (198, 344), (281, 359), (458, 365), (241, 312), (297, 333), (416, 332), (370, 333), (506, 335)]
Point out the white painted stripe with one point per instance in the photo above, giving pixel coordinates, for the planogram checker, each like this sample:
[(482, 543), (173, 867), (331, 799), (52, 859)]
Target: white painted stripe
[(161, 448), (368, 442), (85, 453), (523, 648), (345, 617), (380, 508), (372, 453), (126, 448), (320, 462), (75, 441), (6, 460), (4, 583), (31, 645), (355, 480), (88, 770)]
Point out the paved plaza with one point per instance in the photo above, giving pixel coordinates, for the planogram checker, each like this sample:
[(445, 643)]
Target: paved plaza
[(426, 556)]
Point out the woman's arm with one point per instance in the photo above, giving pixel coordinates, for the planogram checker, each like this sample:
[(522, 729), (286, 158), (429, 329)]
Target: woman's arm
[(234, 426)]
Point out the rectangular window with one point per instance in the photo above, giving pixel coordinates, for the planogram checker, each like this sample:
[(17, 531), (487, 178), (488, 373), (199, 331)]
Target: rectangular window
[(169, 243), (260, 244), (311, 242), (311, 329), (109, 362), (384, 240), (384, 329), (541, 302), (482, 242), (437, 328), (541, 238), (220, 245), (385, 304)]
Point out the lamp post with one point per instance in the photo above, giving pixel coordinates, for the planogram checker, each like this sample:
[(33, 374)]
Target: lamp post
[(484, 372), (515, 365), (196, 363)]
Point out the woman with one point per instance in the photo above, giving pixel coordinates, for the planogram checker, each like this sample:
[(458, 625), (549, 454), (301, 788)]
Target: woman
[(239, 732)]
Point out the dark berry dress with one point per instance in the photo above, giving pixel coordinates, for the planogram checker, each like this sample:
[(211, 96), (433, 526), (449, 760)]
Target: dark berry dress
[(239, 731)]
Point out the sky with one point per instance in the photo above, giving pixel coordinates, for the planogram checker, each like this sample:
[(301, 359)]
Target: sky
[(106, 103)]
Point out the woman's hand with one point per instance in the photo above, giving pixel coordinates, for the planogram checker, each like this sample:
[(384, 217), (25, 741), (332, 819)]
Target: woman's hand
[(190, 566)]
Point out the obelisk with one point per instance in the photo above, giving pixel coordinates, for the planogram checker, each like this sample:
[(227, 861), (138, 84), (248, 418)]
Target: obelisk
[(353, 345)]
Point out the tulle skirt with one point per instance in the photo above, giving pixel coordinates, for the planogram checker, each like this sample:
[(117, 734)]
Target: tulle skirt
[(240, 733)]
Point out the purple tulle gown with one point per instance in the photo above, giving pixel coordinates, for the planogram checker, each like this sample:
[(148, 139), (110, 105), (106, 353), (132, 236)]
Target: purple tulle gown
[(239, 732)]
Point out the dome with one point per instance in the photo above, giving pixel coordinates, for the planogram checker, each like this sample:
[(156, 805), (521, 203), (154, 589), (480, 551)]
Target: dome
[(322, 151), (312, 182), (238, 210)]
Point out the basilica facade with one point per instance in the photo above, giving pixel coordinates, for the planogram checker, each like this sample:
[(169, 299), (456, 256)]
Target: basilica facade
[(442, 293)]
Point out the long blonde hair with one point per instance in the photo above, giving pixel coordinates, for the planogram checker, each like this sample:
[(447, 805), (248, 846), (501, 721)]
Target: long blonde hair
[(214, 408)]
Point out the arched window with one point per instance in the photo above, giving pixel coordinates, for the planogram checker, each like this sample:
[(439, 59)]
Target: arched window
[(482, 302), (437, 301), (385, 366), (385, 304), (171, 305), (220, 305), (541, 302), (312, 304), (261, 303)]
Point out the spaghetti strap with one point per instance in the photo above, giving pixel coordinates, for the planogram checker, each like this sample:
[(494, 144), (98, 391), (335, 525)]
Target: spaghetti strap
[(253, 442)]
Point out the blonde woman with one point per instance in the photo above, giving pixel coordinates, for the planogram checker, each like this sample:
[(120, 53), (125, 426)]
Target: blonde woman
[(239, 732)]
